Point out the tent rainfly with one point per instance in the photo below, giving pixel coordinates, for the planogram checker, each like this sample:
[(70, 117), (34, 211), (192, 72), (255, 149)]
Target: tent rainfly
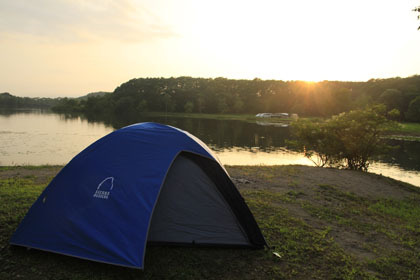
[(143, 183)]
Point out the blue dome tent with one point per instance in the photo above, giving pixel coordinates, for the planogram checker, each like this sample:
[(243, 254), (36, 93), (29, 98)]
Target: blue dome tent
[(143, 183)]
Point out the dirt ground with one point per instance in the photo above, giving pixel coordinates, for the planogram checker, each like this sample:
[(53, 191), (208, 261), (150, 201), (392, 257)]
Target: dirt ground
[(302, 180), (306, 180), (286, 178), (40, 175)]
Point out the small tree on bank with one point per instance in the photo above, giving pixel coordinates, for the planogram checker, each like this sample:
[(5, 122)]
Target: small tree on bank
[(417, 9), (348, 140)]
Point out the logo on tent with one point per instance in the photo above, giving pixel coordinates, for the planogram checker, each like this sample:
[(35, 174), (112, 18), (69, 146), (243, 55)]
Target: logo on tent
[(104, 188)]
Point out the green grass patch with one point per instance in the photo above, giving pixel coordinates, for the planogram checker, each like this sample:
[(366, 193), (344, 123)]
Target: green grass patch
[(404, 214), (237, 117), (407, 210), (304, 251), (230, 117), (394, 222), (16, 196), (410, 127), (397, 265), (29, 167), (406, 131)]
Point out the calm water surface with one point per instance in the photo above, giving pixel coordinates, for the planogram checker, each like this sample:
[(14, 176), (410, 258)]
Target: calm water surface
[(36, 137)]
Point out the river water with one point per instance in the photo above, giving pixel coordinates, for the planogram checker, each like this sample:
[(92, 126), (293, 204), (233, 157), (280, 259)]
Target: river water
[(37, 137)]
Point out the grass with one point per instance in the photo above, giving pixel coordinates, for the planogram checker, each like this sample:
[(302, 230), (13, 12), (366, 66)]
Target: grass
[(305, 248), (406, 131), (410, 127), (28, 167), (240, 117), (235, 117), (305, 253), (391, 219)]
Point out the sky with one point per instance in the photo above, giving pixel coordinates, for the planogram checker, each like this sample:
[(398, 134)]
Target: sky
[(51, 48)]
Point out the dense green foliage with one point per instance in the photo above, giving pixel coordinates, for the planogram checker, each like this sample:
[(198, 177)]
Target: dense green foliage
[(8, 101), (226, 96), (347, 140), (413, 112)]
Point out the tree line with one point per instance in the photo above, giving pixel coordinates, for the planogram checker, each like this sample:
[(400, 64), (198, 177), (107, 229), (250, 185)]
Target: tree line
[(401, 96), (8, 101)]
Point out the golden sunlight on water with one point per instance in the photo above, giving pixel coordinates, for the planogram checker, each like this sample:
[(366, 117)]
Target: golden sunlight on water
[(35, 139), (43, 138), (256, 157), (395, 172)]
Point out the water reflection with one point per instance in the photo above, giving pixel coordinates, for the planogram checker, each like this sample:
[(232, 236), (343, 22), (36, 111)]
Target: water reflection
[(405, 155), (237, 135), (219, 134), (42, 137)]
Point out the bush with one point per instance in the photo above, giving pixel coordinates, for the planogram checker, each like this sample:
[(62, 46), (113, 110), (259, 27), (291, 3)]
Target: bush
[(413, 113), (348, 140), (188, 107)]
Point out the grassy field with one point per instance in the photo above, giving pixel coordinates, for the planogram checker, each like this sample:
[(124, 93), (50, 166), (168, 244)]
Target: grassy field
[(306, 219), (409, 129), (240, 117), (404, 129), (233, 117)]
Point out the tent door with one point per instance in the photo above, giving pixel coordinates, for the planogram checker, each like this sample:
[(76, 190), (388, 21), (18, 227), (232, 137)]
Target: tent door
[(190, 209)]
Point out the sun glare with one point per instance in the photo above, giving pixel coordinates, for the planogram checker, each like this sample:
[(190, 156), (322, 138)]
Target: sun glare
[(269, 39), (302, 40)]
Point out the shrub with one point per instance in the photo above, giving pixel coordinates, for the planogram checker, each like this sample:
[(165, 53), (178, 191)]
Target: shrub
[(348, 140)]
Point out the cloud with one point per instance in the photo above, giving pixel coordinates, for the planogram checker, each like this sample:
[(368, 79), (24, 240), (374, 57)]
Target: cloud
[(81, 20)]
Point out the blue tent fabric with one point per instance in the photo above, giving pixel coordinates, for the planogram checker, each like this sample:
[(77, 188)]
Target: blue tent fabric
[(100, 205)]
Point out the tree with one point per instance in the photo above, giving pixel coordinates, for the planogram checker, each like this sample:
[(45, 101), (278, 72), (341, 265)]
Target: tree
[(341, 101), (188, 107), (413, 113), (348, 140), (417, 9), (314, 140), (142, 106), (321, 99), (222, 107), (392, 98), (124, 108), (169, 104), (238, 105), (200, 102), (394, 114)]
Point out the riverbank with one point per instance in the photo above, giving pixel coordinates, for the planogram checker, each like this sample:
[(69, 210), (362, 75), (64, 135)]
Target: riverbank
[(324, 224), (406, 132), (227, 117), (403, 131)]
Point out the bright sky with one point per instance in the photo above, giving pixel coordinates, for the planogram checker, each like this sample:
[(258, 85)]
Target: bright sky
[(73, 47)]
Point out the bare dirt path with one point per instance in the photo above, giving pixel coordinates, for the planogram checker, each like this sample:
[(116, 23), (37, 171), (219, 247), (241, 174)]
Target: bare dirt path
[(322, 194)]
